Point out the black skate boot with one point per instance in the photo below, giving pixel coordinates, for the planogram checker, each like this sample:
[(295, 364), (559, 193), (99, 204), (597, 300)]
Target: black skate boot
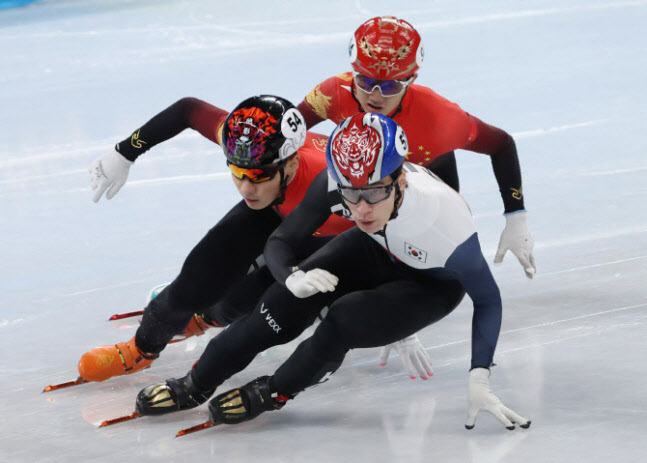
[(171, 396), (245, 403)]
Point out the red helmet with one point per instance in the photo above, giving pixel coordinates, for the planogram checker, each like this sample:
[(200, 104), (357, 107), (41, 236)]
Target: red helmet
[(386, 48)]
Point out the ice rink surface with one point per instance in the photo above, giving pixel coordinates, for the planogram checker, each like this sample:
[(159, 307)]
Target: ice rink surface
[(567, 78)]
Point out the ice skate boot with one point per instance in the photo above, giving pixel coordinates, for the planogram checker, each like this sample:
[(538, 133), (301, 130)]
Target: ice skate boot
[(245, 403), (197, 326), (171, 396), (104, 362)]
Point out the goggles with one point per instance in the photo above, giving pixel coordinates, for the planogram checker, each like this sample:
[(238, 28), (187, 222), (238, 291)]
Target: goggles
[(371, 195), (386, 87), (258, 174)]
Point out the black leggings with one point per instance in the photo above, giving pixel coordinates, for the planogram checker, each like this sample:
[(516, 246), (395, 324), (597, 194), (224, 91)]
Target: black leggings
[(222, 277), (376, 302)]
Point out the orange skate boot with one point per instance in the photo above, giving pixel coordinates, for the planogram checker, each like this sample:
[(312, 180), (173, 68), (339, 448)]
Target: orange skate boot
[(197, 326), (104, 362)]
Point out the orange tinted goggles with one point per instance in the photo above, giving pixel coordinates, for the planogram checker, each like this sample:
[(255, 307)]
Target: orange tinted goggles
[(255, 175)]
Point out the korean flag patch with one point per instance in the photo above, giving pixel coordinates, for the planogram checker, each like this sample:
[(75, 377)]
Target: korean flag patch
[(415, 253)]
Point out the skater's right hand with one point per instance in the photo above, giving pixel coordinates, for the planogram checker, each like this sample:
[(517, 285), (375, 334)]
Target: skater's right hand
[(109, 170), (305, 284), (481, 397), (517, 239), (413, 355)]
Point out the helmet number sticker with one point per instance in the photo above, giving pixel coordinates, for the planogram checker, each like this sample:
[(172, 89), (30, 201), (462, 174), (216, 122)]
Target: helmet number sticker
[(352, 50), (420, 55), (293, 128), (294, 121), (401, 143)]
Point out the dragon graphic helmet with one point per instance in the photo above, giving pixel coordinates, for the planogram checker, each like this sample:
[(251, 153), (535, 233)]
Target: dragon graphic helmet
[(365, 148), (387, 48), (262, 130)]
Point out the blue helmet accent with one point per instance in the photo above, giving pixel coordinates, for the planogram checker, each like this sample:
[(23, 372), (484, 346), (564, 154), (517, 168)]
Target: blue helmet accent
[(365, 148)]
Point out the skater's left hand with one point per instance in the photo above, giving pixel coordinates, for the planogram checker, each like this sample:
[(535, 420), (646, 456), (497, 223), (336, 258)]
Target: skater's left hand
[(413, 355), (516, 238), (305, 284), (481, 397)]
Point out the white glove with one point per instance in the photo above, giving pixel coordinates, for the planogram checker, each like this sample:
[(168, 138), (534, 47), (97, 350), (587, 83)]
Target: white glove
[(516, 238), (108, 170), (480, 397), (305, 284), (413, 355)]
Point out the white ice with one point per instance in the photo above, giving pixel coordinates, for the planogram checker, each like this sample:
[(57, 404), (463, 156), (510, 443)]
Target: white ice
[(567, 78)]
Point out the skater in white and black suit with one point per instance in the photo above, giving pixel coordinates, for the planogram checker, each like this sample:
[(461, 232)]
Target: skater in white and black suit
[(407, 264)]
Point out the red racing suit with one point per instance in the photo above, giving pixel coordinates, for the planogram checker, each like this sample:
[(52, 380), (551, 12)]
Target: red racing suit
[(434, 126)]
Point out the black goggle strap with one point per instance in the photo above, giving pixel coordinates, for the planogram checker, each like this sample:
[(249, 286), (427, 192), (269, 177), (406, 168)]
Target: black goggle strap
[(398, 193), (283, 185), (398, 196)]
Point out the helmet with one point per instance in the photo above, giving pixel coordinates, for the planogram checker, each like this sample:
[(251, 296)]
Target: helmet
[(262, 130), (365, 148), (386, 48)]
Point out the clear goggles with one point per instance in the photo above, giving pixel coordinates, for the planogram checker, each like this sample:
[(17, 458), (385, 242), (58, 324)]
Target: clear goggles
[(371, 195), (386, 87)]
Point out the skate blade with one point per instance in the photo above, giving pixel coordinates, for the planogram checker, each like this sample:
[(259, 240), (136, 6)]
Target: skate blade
[(196, 428), (121, 419), (119, 316), (76, 382)]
